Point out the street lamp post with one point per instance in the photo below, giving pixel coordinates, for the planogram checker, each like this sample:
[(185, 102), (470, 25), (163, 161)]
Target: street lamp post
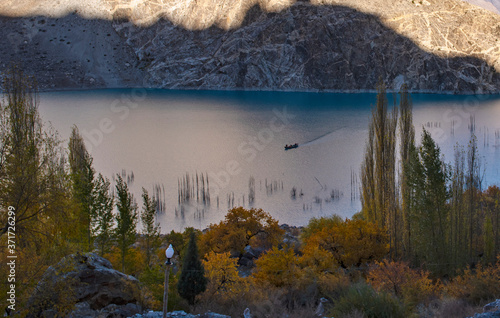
[(169, 253)]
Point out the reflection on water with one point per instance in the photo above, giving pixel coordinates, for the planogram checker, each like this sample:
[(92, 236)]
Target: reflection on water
[(232, 138)]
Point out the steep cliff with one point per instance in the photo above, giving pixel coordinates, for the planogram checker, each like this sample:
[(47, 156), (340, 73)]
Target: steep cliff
[(341, 45)]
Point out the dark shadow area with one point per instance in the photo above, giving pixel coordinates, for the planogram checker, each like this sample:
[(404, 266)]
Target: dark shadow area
[(305, 47)]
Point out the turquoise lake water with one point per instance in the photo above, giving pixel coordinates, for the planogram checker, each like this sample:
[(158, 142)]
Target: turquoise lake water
[(159, 136)]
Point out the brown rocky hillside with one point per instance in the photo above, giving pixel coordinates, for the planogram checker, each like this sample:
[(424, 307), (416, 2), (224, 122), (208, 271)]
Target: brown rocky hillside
[(344, 45)]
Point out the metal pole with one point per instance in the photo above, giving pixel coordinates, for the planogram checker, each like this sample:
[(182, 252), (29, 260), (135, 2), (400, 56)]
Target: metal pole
[(165, 292)]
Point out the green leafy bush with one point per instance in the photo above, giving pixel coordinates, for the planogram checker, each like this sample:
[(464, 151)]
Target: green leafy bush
[(363, 299)]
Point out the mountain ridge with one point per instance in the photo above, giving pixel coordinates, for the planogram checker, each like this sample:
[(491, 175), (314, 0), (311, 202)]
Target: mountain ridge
[(307, 46)]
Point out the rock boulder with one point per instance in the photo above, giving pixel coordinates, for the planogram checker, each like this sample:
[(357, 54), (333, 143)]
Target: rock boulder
[(85, 285)]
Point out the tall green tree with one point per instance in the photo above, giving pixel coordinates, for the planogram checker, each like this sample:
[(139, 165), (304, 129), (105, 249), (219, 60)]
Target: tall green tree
[(473, 188), (192, 281), (33, 181), (82, 176), (368, 188), (150, 227), (378, 172), (32, 177), (415, 191), (430, 215), (102, 209), (126, 219), (458, 231), (491, 204), (407, 143)]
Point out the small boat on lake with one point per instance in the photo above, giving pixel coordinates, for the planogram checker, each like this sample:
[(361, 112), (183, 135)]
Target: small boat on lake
[(287, 147)]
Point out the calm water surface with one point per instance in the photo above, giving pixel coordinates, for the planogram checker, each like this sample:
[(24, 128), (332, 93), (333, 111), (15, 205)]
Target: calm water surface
[(234, 136)]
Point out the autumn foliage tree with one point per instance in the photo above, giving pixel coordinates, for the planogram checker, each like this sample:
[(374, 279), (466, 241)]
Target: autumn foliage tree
[(318, 224), (31, 161), (279, 267), (224, 281), (412, 285), (350, 243), (33, 180), (241, 227)]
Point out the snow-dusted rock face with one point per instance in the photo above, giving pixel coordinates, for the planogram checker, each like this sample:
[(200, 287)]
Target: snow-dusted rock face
[(334, 45)]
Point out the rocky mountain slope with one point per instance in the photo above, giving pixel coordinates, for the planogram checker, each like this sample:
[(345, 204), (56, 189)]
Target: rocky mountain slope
[(492, 5), (332, 45)]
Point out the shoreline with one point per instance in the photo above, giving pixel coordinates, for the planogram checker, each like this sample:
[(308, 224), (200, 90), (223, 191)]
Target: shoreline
[(216, 89)]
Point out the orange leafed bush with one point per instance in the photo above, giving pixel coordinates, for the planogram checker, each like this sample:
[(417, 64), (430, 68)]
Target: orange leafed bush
[(349, 243), (476, 285), (413, 286)]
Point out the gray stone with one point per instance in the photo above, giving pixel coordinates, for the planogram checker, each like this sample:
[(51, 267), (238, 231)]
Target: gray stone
[(247, 314), (213, 315), (82, 310), (177, 314), (491, 310), (90, 283), (495, 314), (494, 306), (180, 314)]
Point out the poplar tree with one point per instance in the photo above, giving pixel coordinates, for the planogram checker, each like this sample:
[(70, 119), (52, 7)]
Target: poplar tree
[(82, 176), (378, 172), (473, 186), (102, 209), (458, 233), (430, 215), (126, 219), (151, 228), (407, 143), (415, 191), (192, 281)]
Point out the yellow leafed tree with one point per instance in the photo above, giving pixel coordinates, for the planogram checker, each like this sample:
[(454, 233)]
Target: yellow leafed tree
[(240, 228), (278, 267), (223, 280), (350, 243)]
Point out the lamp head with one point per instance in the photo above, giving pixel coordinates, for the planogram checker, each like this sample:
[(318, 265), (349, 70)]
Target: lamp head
[(169, 252)]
